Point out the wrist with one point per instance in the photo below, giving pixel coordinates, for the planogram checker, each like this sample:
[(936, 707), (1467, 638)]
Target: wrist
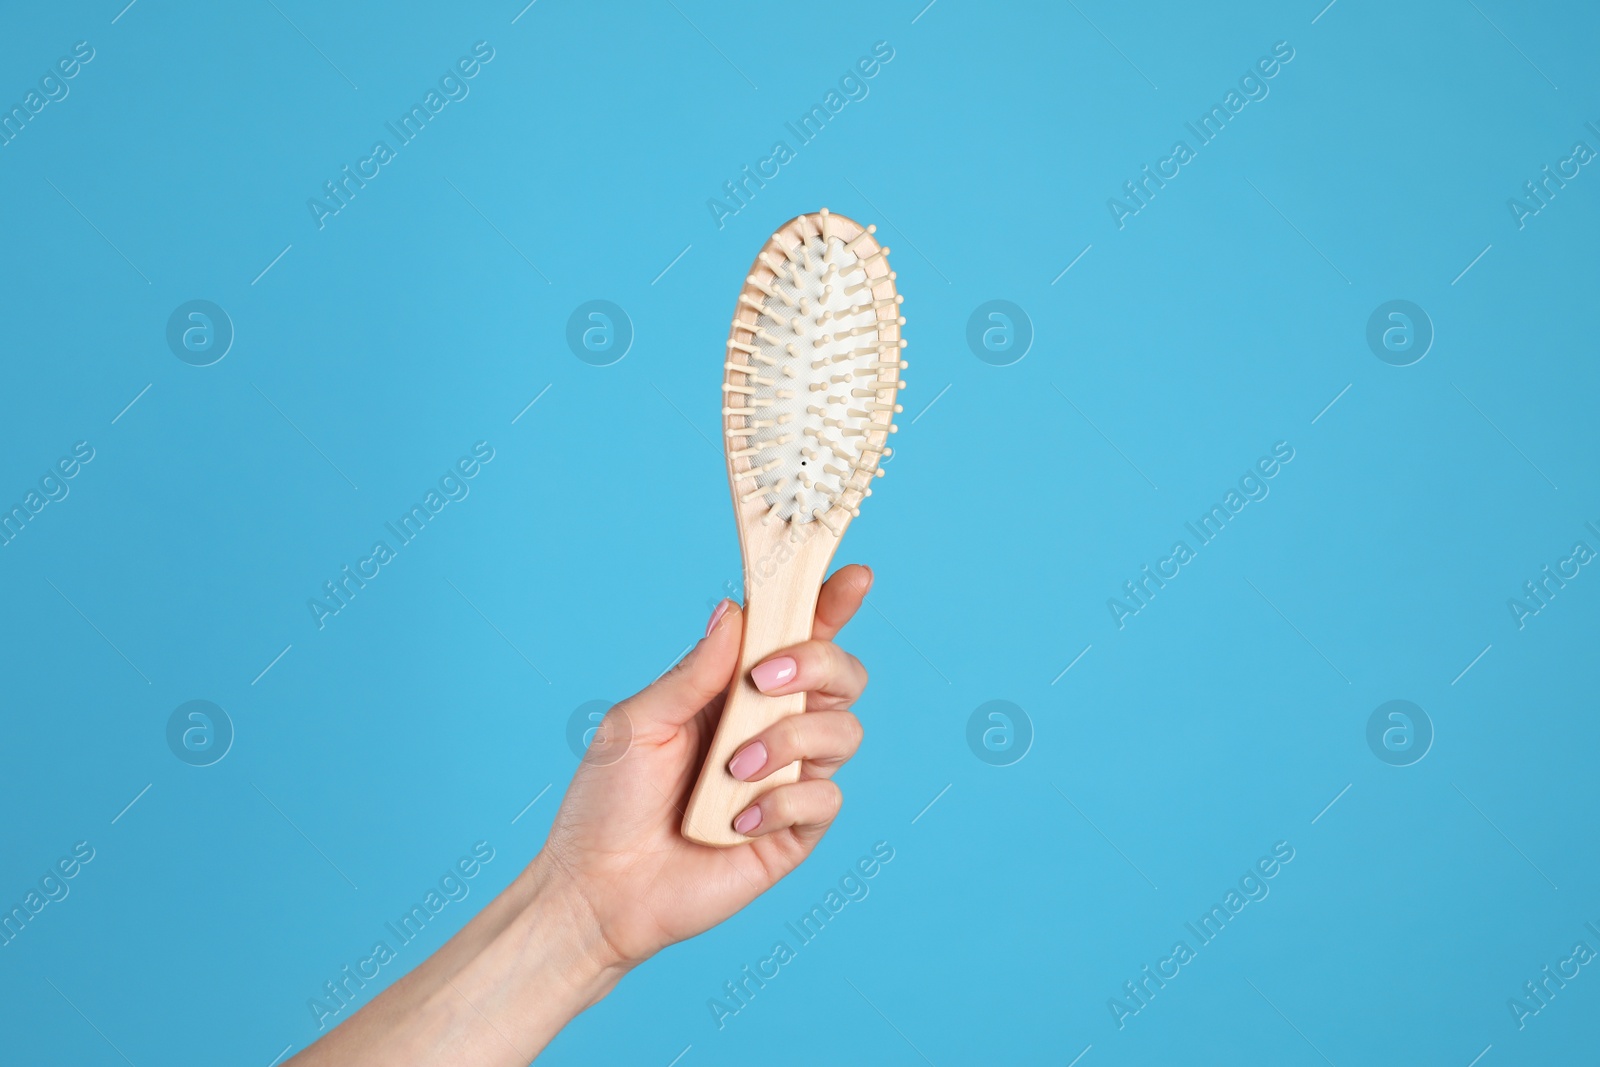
[(553, 912), (539, 960)]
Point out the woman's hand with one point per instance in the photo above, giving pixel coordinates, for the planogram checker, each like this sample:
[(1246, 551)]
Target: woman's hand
[(616, 881), (616, 840)]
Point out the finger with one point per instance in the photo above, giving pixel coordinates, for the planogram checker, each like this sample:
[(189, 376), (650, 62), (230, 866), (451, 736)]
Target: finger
[(808, 808), (839, 600), (675, 697), (823, 739), (833, 677)]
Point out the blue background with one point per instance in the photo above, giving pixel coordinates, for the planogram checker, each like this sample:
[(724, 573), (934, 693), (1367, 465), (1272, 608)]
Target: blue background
[(1221, 319)]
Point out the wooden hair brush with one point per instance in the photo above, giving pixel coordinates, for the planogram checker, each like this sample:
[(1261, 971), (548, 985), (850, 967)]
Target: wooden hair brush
[(809, 387)]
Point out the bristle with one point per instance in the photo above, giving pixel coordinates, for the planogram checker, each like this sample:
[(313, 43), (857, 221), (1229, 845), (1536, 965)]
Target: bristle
[(862, 236), (749, 371), (762, 491)]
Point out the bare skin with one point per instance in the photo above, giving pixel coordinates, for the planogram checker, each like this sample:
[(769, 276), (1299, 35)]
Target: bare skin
[(616, 882)]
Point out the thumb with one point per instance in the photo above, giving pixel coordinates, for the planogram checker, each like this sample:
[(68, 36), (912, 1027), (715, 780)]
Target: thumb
[(675, 697)]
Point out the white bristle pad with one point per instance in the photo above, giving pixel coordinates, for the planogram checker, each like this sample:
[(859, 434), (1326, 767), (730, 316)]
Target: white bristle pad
[(818, 392)]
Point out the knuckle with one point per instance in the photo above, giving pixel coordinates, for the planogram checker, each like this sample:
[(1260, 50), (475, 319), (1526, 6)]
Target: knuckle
[(855, 732), (833, 799), (785, 736)]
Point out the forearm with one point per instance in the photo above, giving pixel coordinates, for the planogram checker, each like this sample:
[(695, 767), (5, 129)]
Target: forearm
[(495, 994)]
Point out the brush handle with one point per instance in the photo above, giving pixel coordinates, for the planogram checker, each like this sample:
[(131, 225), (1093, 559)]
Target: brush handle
[(774, 618)]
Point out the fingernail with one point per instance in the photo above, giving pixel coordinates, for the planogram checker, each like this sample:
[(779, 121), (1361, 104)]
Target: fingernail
[(773, 673), (750, 759), (749, 820), (716, 616)]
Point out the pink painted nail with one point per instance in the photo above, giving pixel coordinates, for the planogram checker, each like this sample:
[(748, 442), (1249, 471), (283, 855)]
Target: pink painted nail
[(750, 759), (773, 673), (716, 616), (749, 820)]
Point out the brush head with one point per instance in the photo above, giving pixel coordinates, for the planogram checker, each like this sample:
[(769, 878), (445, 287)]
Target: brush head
[(812, 375)]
